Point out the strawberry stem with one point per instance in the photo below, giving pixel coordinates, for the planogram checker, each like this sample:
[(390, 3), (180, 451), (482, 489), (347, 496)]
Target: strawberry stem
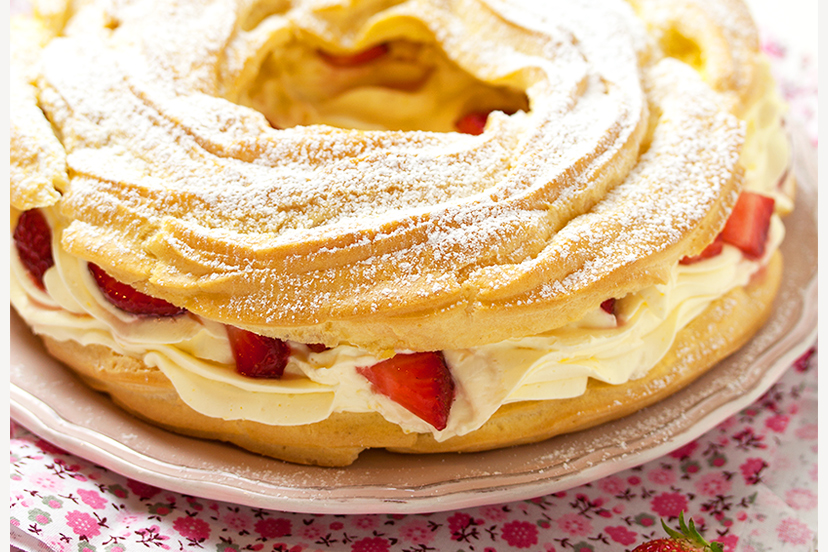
[(689, 533)]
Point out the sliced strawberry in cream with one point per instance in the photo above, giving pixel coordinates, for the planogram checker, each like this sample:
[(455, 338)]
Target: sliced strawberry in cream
[(419, 382), (473, 123), (33, 240), (708, 252), (748, 225), (129, 299), (357, 59), (258, 356), (609, 306)]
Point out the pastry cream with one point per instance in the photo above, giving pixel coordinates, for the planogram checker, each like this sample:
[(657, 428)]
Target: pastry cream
[(766, 152), (195, 355)]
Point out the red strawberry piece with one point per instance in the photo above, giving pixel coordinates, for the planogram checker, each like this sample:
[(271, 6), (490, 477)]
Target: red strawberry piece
[(710, 251), (33, 240), (419, 382), (317, 347), (357, 59), (664, 545), (609, 306), (472, 123), (747, 227), (129, 299), (258, 356), (687, 539)]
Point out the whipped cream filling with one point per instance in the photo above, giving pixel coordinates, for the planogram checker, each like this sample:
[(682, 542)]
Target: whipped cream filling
[(766, 152), (195, 354)]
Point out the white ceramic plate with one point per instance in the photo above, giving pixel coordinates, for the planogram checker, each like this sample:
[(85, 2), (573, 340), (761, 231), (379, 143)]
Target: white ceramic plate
[(52, 402)]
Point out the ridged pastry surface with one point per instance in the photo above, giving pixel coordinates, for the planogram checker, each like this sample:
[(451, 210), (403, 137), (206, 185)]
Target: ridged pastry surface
[(159, 151)]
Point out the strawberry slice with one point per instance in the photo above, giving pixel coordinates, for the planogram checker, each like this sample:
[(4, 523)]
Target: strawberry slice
[(357, 59), (129, 299), (258, 356), (317, 347), (747, 227), (609, 306), (710, 251), (472, 123), (33, 240), (419, 382)]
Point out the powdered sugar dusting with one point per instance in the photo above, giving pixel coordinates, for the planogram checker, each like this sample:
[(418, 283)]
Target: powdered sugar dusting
[(176, 184)]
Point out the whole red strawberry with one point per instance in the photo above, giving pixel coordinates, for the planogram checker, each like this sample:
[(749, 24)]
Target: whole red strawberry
[(129, 299), (33, 240), (687, 539)]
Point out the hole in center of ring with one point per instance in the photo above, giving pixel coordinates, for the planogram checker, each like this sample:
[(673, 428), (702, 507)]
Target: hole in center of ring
[(394, 85)]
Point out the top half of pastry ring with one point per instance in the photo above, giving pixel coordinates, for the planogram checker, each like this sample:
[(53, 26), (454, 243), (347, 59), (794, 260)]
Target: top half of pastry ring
[(294, 167)]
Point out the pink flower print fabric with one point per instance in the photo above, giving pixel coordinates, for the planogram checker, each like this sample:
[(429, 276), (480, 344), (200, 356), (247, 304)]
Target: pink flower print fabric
[(750, 484)]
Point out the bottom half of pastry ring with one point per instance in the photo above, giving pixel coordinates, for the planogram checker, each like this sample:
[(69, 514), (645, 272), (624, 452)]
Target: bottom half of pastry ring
[(720, 330)]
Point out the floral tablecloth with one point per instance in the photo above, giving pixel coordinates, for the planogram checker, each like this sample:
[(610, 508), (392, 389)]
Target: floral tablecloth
[(750, 483)]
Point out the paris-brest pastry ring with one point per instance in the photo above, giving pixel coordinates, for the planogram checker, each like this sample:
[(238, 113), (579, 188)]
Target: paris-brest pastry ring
[(494, 194)]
